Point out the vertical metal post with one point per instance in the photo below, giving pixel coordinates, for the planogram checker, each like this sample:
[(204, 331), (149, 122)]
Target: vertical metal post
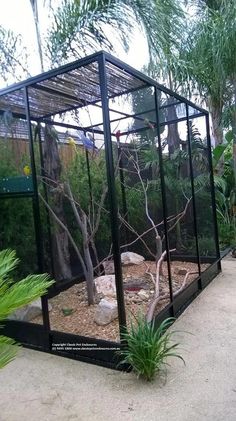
[(213, 199), (112, 193), (163, 193), (46, 198), (37, 221), (193, 189)]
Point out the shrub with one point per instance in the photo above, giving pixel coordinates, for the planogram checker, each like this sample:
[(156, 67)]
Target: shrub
[(148, 347)]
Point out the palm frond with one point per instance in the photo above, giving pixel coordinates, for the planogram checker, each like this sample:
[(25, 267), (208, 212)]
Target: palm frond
[(81, 26), (8, 262), (23, 292), (14, 295), (8, 350)]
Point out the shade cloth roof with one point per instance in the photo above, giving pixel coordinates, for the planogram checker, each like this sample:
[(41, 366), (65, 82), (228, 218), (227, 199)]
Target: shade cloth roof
[(74, 85)]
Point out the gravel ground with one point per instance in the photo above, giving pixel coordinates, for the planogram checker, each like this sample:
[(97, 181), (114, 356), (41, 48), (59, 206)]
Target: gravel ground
[(40, 386), (81, 320)]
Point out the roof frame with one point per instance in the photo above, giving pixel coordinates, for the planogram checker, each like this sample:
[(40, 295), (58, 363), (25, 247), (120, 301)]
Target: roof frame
[(34, 82)]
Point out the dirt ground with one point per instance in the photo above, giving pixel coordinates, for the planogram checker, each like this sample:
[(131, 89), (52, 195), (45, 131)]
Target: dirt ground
[(70, 312)]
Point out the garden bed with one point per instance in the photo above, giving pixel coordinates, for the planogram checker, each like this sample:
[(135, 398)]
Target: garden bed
[(70, 312)]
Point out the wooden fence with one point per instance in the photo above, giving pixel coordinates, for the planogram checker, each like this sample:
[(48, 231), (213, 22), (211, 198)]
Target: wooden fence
[(19, 151)]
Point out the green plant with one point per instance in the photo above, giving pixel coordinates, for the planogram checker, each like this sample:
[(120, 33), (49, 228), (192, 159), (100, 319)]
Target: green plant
[(225, 191), (206, 245), (16, 211), (148, 347), (14, 295), (227, 234)]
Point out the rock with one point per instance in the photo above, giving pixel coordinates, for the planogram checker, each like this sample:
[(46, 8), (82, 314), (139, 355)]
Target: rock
[(130, 258), (131, 293), (29, 312), (143, 294), (67, 311), (135, 285), (105, 285), (137, 300), (106, 312), (108, 266), (179, 271)]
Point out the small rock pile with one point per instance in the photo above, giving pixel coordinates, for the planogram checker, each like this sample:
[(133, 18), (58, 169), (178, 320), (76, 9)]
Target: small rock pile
[(106, 290)]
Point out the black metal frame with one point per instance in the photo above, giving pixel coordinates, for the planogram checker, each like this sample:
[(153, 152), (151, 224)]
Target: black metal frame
[(42, 337)]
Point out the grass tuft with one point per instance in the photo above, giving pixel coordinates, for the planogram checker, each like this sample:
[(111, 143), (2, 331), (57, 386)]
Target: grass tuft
[(147, 347)]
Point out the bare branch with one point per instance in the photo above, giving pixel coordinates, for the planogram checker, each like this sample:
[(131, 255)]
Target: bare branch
[(139, 237), (184, 283), (180, 215), (157, 297), (149, 273)]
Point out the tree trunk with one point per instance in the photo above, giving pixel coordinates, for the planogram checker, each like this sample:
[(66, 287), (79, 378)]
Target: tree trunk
[(215, 109), (89, 275), (34, 5), (173, 139), (60, 241), (158, 247)]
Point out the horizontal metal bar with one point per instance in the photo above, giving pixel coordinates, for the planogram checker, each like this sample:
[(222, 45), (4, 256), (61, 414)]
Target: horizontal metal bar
[(95, 103), (52, 73), (135, 116), (170, 105), (18, 115), (151, 82), (87, 60), (16, 195), (69, 126), (165, 123), (65, 110)]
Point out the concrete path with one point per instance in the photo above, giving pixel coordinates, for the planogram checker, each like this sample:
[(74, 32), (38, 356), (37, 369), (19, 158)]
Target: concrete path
[(38, 386)]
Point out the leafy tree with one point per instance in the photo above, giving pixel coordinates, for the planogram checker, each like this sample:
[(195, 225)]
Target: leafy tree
[(12, 55), (207, 58), (143, 100), (84, 25)]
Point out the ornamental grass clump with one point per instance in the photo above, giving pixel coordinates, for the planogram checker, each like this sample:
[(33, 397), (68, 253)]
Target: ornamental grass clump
[(148, 347), (14, 295)]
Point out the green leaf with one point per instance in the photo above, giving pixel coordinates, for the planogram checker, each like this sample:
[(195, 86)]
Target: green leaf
[(148, 347), (8, 350)]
